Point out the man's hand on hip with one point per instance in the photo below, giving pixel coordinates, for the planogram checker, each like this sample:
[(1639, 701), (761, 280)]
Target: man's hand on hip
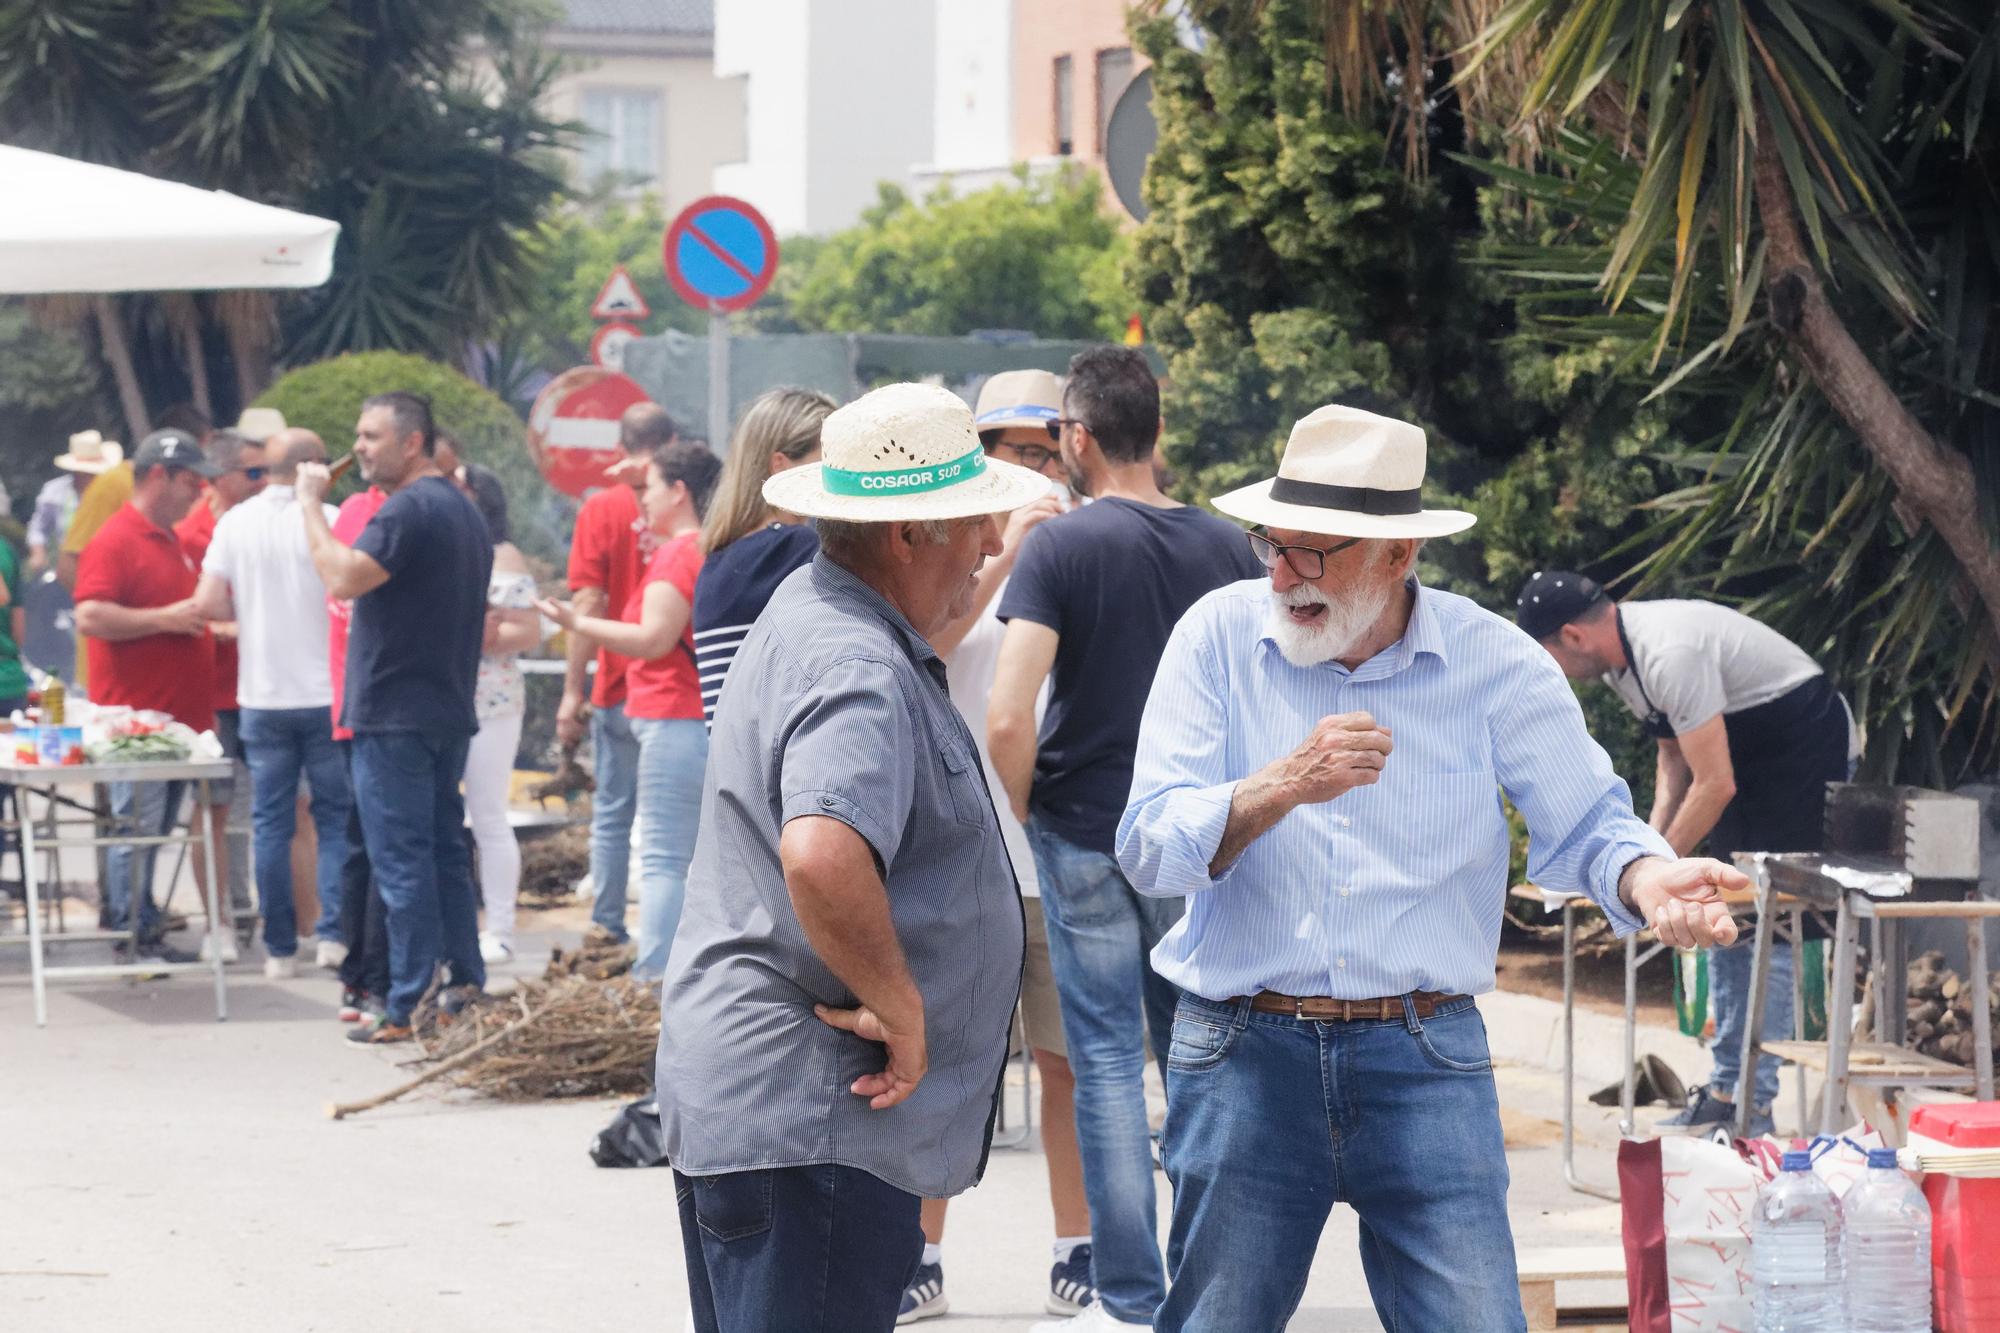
[(1682, 900), (909, 1060)]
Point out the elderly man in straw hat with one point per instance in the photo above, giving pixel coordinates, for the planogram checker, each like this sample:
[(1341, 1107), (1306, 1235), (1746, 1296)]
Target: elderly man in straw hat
[(1319, 775), (835, 1013)]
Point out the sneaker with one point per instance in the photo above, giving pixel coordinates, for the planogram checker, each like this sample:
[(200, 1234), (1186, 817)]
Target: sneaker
[(373, 1007), (350, 1005), (454, 1001), (330, 954), (1070, 1289), (494, 949), (225, 939), (280, 969), (378, 1032), (1094, 1319), (150, 951), (924, 1297)]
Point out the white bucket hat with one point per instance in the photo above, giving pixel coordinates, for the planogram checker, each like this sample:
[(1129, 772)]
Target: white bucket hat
[(1031, 398), (90, 453), (1347, 473), (900, 453), (259, 423)]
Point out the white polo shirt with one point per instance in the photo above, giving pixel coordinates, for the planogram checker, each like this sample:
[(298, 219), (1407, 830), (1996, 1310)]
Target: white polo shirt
[(259, 551)]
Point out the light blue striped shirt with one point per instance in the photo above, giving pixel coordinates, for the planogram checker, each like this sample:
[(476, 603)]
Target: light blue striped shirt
[(1387, 888)]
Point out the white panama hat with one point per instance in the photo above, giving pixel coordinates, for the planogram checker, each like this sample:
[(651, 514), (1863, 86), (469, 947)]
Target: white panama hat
[(1030, 398), (903, 452), (1347, 473), (90, 453)]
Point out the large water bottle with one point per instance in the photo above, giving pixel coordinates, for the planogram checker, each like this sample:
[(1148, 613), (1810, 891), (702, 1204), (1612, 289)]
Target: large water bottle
[(1886, 1230), (1795, 1278)]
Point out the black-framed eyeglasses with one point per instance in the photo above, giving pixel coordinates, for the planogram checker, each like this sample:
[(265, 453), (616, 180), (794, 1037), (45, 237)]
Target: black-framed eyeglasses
[(1308, 562), (1029, 455), (1055, 425)]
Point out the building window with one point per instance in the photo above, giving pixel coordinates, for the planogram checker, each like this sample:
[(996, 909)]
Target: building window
[(624, 135), (1114, 76), (1065, 108)]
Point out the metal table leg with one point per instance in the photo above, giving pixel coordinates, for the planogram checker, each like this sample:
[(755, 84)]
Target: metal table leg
[(1839, 1020), (1892, 990), (32, 881), (1570, 1176), (215, 892), (1982, 1016), (1799, 1005), (1753, 1022), (1628, 1094)]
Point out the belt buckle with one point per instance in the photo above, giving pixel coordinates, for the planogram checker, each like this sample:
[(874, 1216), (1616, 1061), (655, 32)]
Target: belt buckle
[(1299, 1007)]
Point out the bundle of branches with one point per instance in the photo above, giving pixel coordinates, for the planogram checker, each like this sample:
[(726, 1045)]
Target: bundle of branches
[(551, 866), (584, 1029), (1940, 1012)]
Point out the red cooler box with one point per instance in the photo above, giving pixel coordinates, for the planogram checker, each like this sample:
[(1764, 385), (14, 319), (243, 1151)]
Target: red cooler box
[(1965, 1218)]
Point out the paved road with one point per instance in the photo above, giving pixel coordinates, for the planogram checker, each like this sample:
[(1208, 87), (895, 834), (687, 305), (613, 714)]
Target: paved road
[(165, 1172)]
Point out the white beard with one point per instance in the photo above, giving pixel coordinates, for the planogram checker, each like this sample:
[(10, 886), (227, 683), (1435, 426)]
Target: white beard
[(1337, 632)]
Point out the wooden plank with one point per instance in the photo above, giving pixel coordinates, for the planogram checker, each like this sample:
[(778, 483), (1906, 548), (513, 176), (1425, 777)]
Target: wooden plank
[(1872, 1060), (1538, 1303), (1573, 1263), (1984, 907)]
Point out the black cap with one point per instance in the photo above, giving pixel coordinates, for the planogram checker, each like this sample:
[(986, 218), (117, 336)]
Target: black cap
[(172, 449), (1553, 598)]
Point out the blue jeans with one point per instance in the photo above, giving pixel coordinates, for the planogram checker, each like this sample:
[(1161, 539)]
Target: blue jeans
[(147, 809), (796, 1248), (1729, 992), (413, 818), (673, 756), (1100, 932), (278, 745), (1271, 1120), (615, 758)]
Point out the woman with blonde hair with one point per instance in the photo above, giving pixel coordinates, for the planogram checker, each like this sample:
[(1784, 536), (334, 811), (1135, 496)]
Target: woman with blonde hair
[(750, 547)]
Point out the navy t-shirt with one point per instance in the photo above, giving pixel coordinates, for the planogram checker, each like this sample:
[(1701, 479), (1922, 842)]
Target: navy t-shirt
[(413, 644), (734, 585), (1111, 579)]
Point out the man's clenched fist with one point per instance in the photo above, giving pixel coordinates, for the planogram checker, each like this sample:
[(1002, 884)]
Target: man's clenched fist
[(1344, 751)]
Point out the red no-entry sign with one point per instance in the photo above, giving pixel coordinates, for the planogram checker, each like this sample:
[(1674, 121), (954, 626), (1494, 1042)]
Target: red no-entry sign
[(573, 426)]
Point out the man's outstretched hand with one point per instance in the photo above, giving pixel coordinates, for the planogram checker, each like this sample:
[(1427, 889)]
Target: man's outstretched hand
[(1682, 900), (908, 1058)]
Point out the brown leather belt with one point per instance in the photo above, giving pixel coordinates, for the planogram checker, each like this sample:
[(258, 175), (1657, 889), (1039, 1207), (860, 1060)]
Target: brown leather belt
[(1328, 1010)]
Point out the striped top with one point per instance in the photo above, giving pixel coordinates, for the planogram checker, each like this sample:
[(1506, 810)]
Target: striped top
[(1388, 888), (735, 584)]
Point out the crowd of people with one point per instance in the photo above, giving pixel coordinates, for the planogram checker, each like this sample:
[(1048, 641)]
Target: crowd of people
[(925, 715)]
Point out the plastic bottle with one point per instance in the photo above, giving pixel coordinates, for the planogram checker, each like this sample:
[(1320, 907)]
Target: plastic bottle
[(52, 702), (1795, 1274), (1886, 1240)]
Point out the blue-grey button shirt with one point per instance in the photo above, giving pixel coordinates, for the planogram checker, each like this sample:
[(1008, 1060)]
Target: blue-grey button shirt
[(835, 706)]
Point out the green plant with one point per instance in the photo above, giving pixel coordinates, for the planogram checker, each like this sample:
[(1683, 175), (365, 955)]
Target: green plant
[(326, 398)]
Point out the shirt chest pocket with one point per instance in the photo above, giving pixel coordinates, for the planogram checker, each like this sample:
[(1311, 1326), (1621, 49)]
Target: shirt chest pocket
[(965, 781)]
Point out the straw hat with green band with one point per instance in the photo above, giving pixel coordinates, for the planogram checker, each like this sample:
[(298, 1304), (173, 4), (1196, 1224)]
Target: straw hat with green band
[(903, 452)]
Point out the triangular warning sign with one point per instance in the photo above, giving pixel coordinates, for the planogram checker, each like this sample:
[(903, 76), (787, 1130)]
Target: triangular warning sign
[(620, 298)]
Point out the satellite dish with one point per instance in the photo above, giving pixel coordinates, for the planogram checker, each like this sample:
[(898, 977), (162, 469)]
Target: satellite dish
[(1128, 142)]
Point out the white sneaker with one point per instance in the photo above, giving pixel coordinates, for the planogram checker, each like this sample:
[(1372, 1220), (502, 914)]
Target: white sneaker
[(330, 954), (280, 969), (1094, 1319), (226, 938), (493, 949)]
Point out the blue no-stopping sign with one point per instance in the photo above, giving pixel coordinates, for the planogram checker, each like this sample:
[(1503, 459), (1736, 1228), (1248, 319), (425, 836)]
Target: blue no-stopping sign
[(720, 253)]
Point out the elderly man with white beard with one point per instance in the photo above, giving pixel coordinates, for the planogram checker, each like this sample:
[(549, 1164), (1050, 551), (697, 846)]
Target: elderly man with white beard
[(1319, 774)]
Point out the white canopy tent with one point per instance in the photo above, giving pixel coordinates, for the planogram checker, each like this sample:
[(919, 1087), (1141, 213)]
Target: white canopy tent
[(69, 226)]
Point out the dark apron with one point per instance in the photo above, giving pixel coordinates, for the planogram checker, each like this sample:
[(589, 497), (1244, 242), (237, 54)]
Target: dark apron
[(1784, 753)]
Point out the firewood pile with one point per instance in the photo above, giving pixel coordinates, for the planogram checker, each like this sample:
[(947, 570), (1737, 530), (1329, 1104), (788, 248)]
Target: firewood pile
[(585, 1028), (551, 867), (1940, 1010)]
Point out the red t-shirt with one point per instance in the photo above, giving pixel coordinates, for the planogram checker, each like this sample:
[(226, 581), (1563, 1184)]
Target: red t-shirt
[(195, 532), (354, 514), (667, 686), (609, 550), (133, 562)]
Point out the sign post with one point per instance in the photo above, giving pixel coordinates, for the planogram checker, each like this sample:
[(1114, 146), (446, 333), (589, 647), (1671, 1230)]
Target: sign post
[(720, 256)]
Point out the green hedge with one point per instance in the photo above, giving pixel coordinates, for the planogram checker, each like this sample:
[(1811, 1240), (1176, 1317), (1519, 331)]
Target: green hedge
[(326, 397)]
